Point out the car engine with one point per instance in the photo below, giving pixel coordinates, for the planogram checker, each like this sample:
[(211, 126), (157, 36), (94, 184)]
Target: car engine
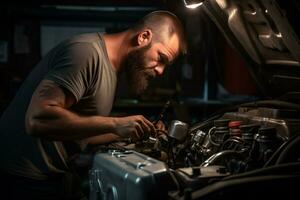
[(185, 159)]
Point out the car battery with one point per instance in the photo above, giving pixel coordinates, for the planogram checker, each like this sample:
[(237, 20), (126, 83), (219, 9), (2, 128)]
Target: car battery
[(128, 175)]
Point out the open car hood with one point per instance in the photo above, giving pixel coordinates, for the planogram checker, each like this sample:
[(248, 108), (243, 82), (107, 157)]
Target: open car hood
[(262, 31)]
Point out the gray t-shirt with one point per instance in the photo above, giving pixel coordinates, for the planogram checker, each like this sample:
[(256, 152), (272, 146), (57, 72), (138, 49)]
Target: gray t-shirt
[(80, 65)]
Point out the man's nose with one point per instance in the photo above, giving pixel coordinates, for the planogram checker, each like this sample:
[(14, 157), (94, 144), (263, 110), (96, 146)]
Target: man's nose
[(159, 69)]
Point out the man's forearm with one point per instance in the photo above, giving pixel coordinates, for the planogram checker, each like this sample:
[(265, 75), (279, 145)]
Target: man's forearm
[(57, 123), (102, 139)]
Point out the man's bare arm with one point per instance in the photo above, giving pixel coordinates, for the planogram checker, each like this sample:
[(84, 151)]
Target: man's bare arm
[(102, 139), (48, 116)]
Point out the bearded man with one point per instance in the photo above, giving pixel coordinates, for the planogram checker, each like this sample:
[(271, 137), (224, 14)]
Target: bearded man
[(66, 100)]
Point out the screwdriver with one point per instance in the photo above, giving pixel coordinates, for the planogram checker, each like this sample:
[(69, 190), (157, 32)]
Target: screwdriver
[(161, 114)]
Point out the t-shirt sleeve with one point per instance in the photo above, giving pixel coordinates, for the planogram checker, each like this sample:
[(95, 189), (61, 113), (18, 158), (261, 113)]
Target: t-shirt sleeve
[(73, 67)]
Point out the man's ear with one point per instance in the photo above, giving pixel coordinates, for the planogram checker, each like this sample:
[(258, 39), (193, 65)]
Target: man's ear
[(144, 37)]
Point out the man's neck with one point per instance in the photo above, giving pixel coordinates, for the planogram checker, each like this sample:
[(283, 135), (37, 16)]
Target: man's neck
[(117, 45)]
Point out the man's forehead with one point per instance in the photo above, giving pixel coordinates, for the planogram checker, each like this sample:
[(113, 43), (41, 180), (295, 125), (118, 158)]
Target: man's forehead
[(172, 46)]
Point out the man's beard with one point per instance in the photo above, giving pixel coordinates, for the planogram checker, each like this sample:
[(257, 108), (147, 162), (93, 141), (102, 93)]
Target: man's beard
[(136, 71)]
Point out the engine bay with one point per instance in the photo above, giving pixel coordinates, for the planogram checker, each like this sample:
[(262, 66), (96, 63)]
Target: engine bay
[(184, 159)]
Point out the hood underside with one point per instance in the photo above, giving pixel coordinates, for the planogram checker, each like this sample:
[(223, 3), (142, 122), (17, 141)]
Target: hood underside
[(262, 32)]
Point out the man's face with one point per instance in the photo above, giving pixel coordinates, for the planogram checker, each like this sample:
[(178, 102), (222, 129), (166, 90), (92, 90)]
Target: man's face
[(147, 62)]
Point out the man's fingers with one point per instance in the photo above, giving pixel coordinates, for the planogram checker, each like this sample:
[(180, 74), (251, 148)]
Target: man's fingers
[(138, 132), (160, 125), (137, 127), (149, 126)]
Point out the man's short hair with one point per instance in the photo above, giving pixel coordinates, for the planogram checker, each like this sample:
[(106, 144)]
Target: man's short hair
[(163, 24)]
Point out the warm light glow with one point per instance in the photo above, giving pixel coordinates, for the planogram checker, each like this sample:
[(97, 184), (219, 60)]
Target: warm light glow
[(192, 4), (279, 35)]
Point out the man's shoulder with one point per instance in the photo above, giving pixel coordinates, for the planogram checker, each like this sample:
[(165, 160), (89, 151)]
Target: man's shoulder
[(82, 45), (85, 44), (85, 38)]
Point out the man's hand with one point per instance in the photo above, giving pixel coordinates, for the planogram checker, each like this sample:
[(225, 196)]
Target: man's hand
[(160, 128), (136, 127)]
